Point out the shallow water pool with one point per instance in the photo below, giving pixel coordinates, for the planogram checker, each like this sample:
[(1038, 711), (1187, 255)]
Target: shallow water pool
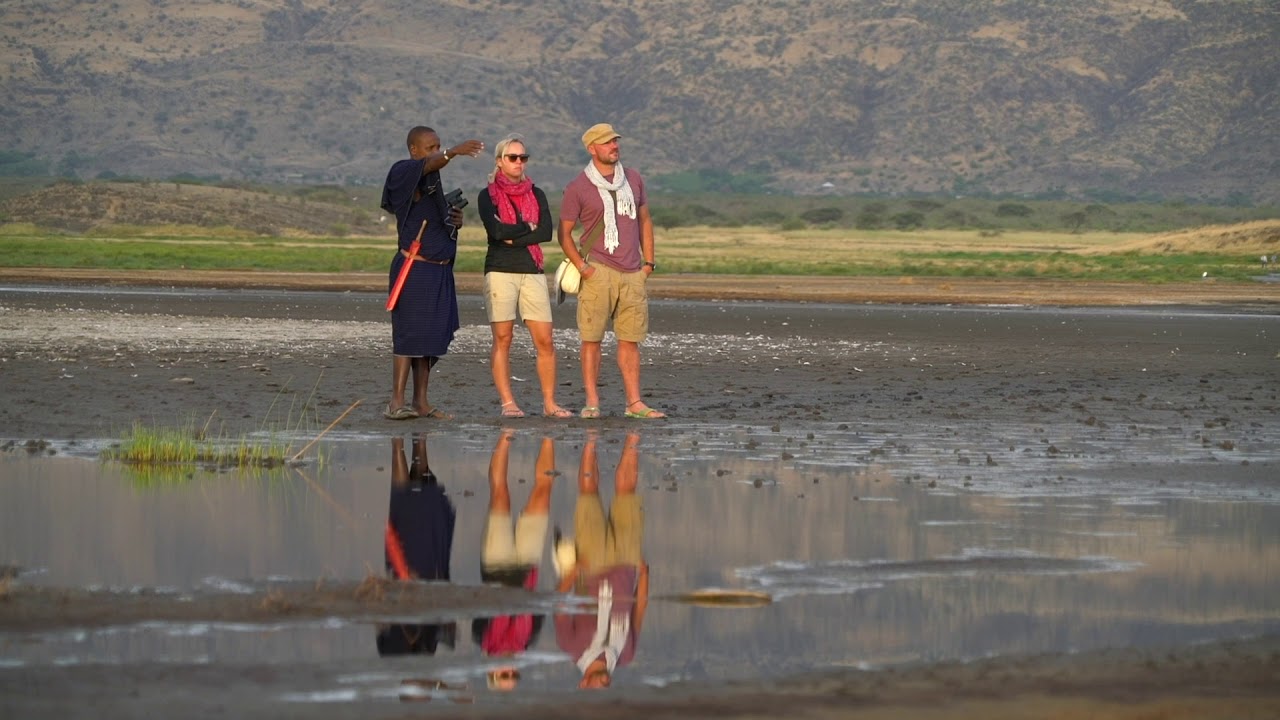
[(876, 549)]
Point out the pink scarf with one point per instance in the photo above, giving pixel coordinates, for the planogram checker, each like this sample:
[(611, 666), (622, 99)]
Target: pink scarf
[(510, 634), (508, 197)]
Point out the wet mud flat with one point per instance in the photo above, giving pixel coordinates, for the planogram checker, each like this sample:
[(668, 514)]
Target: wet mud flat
[(1008, 401), (1232, 679), (85, 361)]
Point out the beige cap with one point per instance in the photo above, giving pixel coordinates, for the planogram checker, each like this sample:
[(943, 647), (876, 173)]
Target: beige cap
[(598, 133)]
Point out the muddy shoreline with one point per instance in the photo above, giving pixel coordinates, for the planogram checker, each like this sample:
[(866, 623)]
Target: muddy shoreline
[(907, 290), (1235, 678), (83, 365)]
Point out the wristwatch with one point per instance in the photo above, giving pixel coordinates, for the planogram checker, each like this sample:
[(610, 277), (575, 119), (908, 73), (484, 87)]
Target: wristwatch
[(646, 262), (445, 153)]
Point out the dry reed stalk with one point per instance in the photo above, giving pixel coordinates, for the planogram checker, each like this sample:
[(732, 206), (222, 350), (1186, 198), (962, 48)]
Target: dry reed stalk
[(204, 431), (277, 602), (372, 588), (348, 519), (316, 439)]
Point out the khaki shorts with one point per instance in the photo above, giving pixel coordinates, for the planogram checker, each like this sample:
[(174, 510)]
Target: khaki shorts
[(506, 546), (504, 293), (604, 544), (619, 296)]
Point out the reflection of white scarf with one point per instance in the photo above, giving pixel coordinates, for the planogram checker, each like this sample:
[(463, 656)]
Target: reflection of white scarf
[(626, 201), (611, 633)]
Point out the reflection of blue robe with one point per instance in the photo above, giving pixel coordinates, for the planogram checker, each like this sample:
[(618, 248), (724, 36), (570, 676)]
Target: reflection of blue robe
[(416, 639), (426, 316), (423, 518)]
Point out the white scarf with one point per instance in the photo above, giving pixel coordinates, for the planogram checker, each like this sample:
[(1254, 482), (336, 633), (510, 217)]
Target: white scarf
[(610, 638), (626, 201)]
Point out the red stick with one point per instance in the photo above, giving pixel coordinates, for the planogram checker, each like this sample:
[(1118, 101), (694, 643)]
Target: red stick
[(395, 553), (404, 269)]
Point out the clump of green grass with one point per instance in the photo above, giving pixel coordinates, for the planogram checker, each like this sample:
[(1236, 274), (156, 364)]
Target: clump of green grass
[(158, 476), (173, 453), (145, 445)]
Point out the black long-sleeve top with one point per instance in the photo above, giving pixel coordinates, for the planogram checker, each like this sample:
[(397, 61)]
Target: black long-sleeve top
[(513, 257)]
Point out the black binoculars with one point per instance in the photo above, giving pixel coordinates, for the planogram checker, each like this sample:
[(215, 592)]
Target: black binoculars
[(455, 199)]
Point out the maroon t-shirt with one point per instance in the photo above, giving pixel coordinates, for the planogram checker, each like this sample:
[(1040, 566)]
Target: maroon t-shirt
[(574, 633), (582, 205)]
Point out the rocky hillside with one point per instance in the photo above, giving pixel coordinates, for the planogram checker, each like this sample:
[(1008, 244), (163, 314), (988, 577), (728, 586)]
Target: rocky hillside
[(83, 207), (1104, 98)]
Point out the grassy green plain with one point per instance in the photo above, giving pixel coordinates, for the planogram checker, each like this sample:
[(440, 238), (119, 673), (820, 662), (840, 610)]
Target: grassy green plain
[(717, 250), (120, 226)]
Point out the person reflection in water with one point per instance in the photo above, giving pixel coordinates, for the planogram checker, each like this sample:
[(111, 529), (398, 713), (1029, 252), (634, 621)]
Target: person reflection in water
[(419, 539), (604, 560), (511, 556)]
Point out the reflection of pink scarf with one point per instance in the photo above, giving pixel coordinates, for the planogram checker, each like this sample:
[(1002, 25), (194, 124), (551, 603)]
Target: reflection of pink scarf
[(510, 634), (509, 197)]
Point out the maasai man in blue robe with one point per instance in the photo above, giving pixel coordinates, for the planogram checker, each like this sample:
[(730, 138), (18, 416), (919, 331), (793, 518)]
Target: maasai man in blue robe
[(425, 315)]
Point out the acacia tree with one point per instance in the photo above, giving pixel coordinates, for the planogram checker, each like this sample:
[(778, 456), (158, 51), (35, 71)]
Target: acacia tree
[(1075, 220)]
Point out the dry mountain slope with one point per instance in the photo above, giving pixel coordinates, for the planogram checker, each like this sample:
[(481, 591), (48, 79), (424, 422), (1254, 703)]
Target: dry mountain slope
[(82, 207), (1118, 96), (1251, 239)]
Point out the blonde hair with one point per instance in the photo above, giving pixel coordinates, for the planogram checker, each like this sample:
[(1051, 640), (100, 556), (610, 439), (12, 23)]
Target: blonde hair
[(501, 149)]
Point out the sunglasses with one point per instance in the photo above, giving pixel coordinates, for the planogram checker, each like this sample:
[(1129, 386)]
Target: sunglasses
[(512, 157)]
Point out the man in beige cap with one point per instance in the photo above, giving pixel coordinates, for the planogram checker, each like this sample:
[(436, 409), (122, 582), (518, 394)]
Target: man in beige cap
[(615, 256)]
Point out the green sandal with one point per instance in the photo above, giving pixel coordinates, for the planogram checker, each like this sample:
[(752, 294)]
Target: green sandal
[(646, 414)]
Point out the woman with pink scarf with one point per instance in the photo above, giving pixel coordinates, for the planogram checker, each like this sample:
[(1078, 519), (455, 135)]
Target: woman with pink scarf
[(517, 220)]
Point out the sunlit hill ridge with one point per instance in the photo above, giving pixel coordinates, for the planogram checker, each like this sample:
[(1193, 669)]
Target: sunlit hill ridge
[(1106, 98)]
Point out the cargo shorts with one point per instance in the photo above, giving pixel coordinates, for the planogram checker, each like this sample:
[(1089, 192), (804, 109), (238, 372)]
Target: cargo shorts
[(613, 295), (617, 540)]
